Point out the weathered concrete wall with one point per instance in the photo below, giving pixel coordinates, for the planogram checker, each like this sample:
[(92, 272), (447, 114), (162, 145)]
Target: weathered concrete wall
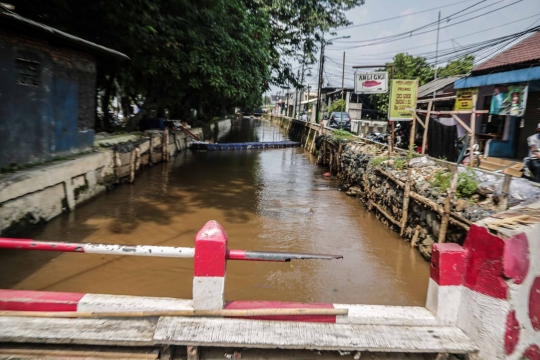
[(490, 287), (37, 195), (32, 196), (49, 97)]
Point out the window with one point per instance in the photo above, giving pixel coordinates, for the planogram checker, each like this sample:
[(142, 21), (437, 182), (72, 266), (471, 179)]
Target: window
[(27, 72)]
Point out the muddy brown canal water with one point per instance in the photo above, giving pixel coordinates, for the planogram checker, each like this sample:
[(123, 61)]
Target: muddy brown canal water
[(274, 200)]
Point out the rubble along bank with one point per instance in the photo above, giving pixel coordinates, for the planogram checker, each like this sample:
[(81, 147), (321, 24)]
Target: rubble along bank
[(412, 200)]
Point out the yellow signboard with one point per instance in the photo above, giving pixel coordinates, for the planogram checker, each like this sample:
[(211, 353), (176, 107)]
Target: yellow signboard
[(464, 99), (403, 96)]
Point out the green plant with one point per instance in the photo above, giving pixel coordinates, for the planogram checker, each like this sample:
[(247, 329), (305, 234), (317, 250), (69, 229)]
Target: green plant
[(399, 163), (337, 105), (466, 184), (441, 180), (376, 161), (342, 135)]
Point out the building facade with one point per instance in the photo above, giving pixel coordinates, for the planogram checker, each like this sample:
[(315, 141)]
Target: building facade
[(47, 91)]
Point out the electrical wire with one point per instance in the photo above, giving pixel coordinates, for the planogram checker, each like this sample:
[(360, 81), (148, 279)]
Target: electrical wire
[(431, 44), (412, 33), (401, 16)]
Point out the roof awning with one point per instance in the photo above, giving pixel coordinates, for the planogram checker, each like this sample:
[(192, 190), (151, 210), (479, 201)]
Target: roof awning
[(11, 20), (507, 77)]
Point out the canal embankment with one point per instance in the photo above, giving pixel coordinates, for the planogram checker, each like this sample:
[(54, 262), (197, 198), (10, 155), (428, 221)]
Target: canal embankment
[(425, 200), (41, 193), (275, 200)]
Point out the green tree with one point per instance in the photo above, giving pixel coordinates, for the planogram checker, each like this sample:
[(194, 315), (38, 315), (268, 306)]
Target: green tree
[(208, 55), (461, 66), (337, 105)]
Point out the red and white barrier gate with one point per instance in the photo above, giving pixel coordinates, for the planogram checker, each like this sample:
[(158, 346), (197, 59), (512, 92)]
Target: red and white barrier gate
[(210, 254)]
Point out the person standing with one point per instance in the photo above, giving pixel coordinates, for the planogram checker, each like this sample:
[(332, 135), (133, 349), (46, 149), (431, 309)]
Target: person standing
[(534, 154)]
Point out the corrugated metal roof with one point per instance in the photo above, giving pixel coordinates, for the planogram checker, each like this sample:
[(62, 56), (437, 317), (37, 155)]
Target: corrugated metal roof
[(436, 85), (523, 52), (9, 16)]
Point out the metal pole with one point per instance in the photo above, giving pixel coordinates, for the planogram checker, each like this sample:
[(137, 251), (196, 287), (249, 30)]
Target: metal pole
[(319, 90), (437, 52), (150, 250), (302, 84), (296, 101), (391, 148), (342, 91)]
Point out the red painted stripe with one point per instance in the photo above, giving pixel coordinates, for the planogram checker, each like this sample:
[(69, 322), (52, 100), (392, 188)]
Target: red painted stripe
[(246, 304), (210, 251), (26, 300), (236, 255), (448, 264), (29, 244), (485, 272)]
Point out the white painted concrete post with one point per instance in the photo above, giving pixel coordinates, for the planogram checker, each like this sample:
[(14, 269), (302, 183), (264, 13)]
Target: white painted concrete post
[(209, 267), (448, 265)]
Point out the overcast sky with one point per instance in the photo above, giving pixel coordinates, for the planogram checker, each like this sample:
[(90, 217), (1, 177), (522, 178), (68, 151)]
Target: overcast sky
[(517, 16)]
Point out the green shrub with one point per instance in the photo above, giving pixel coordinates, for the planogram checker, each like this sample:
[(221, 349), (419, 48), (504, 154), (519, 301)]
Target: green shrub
[(399, 163), (376, 161), (466, 185)]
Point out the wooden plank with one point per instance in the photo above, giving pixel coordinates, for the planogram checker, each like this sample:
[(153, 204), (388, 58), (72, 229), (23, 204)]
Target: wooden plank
[(77, 331), (424, 139), (386, 315), (457, 118), (99, 354), (473, 130), (302, 335)]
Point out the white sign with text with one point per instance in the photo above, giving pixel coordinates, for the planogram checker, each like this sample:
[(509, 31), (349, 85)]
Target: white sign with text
[(371, 82)]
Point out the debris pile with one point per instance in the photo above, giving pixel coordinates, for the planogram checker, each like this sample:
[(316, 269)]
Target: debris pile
[(414, 204)]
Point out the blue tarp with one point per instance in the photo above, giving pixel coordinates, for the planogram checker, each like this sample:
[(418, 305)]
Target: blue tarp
[(243, 146), (507, 77)]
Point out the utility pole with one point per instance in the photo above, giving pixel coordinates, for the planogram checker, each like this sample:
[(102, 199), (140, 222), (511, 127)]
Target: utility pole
[(342, 91), (437, 52), (302, 82), (321, 69), (308, 92), (296, 101)]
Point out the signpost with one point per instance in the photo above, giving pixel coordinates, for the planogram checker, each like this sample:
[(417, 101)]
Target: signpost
[(402, 97), (371, 82), (464, 99)]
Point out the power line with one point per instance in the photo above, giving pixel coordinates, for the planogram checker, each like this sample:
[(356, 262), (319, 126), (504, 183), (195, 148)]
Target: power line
[(410, 33), (400, 16), (421, 46)]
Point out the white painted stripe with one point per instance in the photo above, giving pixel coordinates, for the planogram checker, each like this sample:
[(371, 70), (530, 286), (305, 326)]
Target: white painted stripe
[(106, 303), (140, 250), (386, 315), (208, 292), (444, 301), (483, 319)]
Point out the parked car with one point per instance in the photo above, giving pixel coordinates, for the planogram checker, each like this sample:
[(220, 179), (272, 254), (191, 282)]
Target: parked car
[(340, 120)]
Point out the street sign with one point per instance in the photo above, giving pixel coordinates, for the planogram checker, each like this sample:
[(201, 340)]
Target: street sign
[(403, 96), (464, 99), (371, 82)]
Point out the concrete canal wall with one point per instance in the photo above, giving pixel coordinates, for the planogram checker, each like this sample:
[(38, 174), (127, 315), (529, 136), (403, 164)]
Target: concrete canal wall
[(28, 197)]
